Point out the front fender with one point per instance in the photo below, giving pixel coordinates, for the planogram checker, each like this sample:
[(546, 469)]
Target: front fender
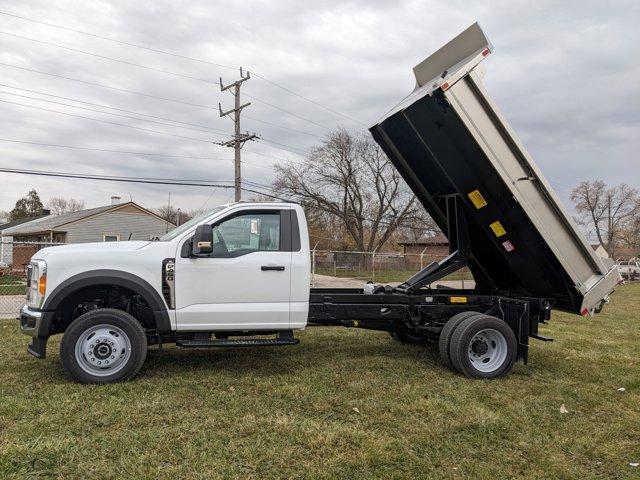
[(111, 277)]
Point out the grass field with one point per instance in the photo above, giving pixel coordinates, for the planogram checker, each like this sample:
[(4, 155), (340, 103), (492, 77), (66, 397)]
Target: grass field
[(342, 404), (12, 285)]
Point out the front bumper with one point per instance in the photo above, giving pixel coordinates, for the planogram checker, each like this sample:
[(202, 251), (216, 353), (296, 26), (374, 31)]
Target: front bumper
[(35, 323)]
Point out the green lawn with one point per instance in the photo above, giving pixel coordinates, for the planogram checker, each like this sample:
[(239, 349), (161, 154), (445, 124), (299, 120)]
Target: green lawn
[(342, 404), (12, 285), (5, 279), (13, 289)]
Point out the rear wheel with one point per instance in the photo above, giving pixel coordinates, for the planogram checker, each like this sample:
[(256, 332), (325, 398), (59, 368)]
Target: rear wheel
[(483, 347), (446, 334), (103, 346)]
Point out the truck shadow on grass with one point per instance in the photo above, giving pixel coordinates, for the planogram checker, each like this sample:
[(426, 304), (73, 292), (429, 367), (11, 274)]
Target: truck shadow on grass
[(288, 360)]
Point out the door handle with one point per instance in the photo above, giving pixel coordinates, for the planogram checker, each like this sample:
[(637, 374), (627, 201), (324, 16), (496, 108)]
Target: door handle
[(277, 268)]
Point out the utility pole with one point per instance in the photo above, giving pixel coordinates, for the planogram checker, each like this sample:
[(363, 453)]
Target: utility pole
[(238, 139)]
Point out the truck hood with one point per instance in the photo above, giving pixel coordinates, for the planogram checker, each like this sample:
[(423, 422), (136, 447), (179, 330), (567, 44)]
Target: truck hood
[(96, 247)]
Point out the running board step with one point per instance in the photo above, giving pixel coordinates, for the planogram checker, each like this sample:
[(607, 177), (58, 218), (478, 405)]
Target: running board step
[(226, 342)]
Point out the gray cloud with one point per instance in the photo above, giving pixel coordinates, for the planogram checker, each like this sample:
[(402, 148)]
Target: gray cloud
[(565, 74)]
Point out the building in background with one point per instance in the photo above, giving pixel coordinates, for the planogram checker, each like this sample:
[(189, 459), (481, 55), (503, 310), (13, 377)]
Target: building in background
[(6, 245), (434, 248), (110, 223)]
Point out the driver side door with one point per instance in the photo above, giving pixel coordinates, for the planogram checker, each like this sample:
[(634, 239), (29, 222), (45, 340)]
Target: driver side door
[(245, 282)]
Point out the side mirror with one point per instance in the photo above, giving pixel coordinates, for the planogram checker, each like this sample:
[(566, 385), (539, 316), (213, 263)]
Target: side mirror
[(202, 241)]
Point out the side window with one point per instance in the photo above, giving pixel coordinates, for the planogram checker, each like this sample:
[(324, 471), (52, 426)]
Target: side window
[(252, 232)]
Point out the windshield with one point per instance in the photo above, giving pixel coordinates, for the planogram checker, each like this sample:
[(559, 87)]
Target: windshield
[(187, 225)]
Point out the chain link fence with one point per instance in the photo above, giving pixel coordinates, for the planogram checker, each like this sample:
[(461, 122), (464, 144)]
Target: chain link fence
[(337, 269), (14, 259), (331, 268)]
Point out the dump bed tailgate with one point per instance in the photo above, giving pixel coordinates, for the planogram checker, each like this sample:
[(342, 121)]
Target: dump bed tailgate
[(449, 138)]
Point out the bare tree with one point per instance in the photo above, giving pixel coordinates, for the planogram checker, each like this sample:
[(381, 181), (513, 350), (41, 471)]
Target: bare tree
[(59, 205), (350, 177), (173, 215), (606, 210), (630, 233), (417, 227)]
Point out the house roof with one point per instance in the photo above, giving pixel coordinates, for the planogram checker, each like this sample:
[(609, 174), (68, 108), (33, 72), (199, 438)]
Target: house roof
[(20, 221), (55, 222), (437, 239)]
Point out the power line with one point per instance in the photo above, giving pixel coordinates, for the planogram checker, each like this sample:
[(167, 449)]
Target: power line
[(300, 117), (265, 155), (160, 70), (158, 181), (104, 57), (110, 107), (128, 152), (145, 180), (279, 145), (133, 92), (108, 150), (119, 41), (102, 85), (111, 113), (282, 87), (107, 122), (173, 54), (282, 126)]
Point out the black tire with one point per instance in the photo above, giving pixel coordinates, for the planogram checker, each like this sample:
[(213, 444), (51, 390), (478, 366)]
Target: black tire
[(129, 363), (408, 337), (447, 332), (459, 349)]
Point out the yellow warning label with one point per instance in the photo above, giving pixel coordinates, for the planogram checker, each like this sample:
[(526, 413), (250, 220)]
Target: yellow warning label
[(458, 299), (497, 228), (477, 199)]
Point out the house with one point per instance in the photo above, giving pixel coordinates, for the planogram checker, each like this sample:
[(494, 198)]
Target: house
[(110, 223), (6, 244), (435, 247)]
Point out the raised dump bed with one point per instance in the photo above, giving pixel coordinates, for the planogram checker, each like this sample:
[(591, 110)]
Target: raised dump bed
[(449, 138)]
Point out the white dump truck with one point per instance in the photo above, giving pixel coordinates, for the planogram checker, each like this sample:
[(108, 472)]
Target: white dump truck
[(238, 276)]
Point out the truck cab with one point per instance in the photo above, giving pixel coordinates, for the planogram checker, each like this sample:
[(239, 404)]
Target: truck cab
[(237, 269)]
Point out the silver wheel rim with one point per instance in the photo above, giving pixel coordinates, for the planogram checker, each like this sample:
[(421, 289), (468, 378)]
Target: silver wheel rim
[(103, 350), (488, 350)]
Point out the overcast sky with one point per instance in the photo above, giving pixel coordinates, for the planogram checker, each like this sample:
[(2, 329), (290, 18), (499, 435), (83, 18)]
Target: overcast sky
[(566, 75)]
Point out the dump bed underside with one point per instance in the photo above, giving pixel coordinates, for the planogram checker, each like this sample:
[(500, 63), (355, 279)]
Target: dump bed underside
[(439, 154), (448, 138), (449, 162)]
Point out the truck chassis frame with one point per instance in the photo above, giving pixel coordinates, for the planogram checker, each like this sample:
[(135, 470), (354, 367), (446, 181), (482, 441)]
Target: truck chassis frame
[(424, 311)]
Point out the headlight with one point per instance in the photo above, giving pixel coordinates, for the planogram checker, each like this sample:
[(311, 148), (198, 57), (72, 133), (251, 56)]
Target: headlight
[(36, 283)]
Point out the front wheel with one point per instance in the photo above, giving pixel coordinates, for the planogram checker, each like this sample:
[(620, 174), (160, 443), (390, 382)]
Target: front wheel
[(103, 346)]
